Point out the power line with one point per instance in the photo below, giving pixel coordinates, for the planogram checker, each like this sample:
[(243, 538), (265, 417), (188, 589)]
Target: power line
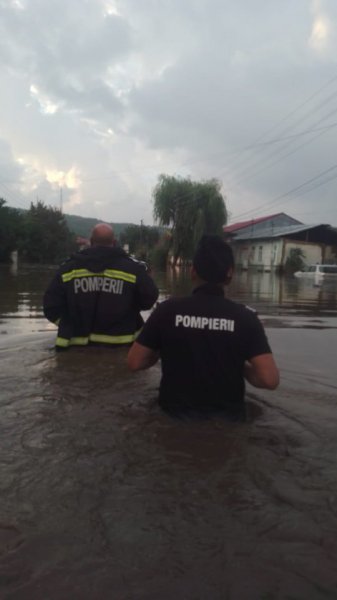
[(303, 118), (278, 151), (292, 191), (15, 197), (269, 165), (314, 212), (298, 107)]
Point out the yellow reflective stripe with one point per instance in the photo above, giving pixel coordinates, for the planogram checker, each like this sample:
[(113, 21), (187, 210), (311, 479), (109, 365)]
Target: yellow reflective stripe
[(113, 273), (75, 341), (75, 273), (98, 338), (62, 342), (120, 275), (79, 341), (112, 339)]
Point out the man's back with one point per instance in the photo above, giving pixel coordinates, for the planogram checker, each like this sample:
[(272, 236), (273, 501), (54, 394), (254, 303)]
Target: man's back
[(204, 341), (208, 344), (97, 296)]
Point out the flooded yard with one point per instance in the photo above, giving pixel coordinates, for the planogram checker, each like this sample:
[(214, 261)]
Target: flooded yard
[(104, 496)]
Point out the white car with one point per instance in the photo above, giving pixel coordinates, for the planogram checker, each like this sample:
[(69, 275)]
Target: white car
[(318, 271)]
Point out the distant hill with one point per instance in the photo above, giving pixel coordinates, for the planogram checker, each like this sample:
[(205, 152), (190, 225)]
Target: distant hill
[(82, 226)]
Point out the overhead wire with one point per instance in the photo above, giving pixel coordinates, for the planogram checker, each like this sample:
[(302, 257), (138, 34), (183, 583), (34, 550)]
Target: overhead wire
[(291, 126), (283, 156), (292, 191), (252, 171), (15, 197), (298, 107)]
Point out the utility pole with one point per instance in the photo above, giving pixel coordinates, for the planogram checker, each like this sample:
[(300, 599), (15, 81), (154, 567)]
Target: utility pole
[(61, 199)]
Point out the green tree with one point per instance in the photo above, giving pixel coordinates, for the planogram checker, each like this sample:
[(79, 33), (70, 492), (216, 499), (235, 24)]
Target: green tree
[(11, 230), (141, 239), (190, 209), (47, 237), (295, 260), (159, 254)]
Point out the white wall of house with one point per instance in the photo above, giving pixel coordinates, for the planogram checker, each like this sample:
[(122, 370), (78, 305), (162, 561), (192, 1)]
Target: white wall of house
[(264, 255), (267, 255), (330, 254)]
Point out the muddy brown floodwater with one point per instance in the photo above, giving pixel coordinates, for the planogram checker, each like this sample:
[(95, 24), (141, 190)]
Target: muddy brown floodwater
[(103, 496)]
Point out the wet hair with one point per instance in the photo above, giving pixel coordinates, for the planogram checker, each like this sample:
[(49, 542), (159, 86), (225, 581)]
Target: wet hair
[(213, 259)]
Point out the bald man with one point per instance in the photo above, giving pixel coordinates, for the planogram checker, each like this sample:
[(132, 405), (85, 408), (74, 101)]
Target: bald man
[(97, 295)]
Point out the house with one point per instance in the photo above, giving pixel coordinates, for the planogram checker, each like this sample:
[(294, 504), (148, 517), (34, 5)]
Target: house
[(265, 243)]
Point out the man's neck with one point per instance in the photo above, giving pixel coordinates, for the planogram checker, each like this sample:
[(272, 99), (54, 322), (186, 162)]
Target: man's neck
[(199, 282)]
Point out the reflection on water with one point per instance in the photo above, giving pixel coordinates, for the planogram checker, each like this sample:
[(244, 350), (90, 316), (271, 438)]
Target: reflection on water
[(104, 496), (268, 292), (21, 295)]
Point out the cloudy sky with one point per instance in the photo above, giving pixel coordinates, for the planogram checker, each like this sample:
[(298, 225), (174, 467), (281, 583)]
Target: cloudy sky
[(98, 97)]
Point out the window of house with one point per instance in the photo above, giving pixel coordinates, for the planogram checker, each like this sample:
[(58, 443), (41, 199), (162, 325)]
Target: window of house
[(260, 253)]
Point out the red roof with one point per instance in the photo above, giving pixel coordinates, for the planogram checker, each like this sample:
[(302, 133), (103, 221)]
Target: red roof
[(242, 224)]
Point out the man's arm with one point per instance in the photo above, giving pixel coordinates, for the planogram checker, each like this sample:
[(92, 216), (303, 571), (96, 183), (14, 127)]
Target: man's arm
[(140, 357), (146, 350), (54, 300), (261, 372)]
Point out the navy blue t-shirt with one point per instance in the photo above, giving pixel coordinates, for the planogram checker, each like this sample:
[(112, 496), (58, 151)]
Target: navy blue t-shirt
[(204, 340)]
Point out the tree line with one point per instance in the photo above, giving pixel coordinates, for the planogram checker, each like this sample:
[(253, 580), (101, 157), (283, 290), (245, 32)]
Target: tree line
[(183, 209), (40, 234)]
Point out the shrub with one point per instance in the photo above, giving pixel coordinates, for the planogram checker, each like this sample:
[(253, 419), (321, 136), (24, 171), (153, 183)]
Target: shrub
[(295, 260)]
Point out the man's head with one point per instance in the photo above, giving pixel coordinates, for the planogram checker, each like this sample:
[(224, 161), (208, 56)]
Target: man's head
[(102, 235), (213, 260)]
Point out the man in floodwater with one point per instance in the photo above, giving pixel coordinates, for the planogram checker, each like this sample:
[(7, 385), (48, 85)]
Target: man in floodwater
[(97, 295), (207, 344)]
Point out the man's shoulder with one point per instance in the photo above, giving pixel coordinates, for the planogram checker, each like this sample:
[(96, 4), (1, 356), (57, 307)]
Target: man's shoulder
[(141, 264), (242, 312), (132, 265), (72, 262), (241, 308), (100, 258), (192, 300), (175, 303)]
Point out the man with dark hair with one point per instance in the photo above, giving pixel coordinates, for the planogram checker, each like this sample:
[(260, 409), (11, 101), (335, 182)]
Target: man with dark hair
[(97, 295), (207, 344)]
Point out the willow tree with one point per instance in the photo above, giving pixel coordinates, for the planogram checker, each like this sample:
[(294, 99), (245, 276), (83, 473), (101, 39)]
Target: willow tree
[(190, 209)]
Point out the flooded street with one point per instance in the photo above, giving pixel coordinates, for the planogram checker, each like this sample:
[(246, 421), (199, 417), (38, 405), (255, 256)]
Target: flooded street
[(103, 496)]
